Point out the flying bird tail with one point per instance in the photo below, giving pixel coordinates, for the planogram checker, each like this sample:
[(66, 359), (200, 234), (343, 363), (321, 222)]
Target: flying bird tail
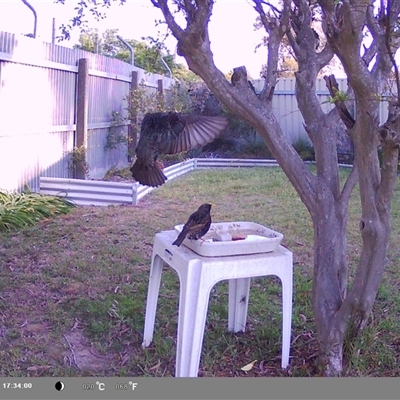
[(149, 175)]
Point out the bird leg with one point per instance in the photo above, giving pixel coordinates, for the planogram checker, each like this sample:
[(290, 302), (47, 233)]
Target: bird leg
[(160, 164), (202, 241)]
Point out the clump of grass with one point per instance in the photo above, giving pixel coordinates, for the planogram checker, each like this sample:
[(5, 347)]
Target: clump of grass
[(305, 149), (18, 210)]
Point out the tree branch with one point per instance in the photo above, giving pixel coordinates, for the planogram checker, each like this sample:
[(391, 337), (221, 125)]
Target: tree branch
[(276, 28), (348, 187), (176, 30), (293, 43), (200, 18), (343, 26), (263, 17), (324, 56), (190, 10), (388, 42), (390, 130), (388, 178), (333, 88), (373, 24), (369, 53)]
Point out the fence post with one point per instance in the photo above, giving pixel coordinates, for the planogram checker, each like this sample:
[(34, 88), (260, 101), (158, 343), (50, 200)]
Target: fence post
[(134, 194), (82, 115), (160, 91), (160, 88), (132, 127)]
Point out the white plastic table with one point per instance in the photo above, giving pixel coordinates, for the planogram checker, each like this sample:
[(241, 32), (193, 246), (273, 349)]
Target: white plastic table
[(197, 275)]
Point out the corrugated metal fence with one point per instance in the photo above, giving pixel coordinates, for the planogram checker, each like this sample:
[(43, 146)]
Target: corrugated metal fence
[(286, 110), (38, 111)]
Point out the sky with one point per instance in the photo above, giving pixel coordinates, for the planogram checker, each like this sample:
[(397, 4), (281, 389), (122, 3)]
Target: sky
[(232, 35)]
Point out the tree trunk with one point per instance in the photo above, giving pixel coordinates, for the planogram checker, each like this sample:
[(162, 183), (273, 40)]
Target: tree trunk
[(329, 283), (336, 313)]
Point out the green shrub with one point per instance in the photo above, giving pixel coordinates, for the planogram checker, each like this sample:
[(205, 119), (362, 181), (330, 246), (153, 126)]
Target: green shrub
[(116, 132), (77, 161), (18, 210), (305, 149)]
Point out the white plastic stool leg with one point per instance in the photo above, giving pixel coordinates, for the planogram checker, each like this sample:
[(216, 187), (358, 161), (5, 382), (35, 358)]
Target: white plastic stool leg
[(193, 304), (239, 291), (287, 292), (152, 297)]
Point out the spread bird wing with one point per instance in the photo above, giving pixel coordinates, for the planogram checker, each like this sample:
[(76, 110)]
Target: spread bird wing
[(173, 133)]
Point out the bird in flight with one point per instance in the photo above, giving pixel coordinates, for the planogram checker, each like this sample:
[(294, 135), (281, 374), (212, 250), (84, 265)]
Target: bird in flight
[(196, 226), (170, 133)]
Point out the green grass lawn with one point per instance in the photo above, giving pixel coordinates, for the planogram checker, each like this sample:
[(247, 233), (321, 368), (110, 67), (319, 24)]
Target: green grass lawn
[(73, 288)]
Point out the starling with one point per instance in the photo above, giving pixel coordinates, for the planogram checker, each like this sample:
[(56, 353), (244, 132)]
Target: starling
[(170, 133), (196, 226)]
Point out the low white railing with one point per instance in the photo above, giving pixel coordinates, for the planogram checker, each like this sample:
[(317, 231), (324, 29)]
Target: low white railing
[(200, 163)]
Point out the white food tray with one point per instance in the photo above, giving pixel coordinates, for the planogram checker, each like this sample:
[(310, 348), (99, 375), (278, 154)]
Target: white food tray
[(234, 238)]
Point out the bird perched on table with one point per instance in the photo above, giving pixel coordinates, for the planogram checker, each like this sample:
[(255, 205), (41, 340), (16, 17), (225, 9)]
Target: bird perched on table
[(196, 226), (170, 133)]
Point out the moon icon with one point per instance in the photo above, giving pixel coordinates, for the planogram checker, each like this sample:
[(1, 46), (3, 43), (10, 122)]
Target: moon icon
[(60, 386)]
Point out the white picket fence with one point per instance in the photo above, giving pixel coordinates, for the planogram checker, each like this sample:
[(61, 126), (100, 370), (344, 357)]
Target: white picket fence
[(104, 193)]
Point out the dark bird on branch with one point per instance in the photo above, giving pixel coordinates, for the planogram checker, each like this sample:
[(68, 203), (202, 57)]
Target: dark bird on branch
[(170, 133), (196, 226)]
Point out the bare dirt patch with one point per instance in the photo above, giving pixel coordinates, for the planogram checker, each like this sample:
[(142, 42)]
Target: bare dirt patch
[(83, 355)]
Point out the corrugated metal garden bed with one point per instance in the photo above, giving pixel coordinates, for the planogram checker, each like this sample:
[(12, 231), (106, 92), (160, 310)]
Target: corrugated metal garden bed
[(104, 193)]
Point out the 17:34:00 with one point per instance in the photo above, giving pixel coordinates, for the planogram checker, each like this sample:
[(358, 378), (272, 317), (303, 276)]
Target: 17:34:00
[(17, 385)]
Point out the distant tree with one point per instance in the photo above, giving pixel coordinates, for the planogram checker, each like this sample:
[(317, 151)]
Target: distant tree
[(287, 67), (182, 73), (146, 55), (105, 43)]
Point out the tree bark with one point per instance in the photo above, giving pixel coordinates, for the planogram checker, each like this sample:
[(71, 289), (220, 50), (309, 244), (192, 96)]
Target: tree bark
[(330, 214), (330, 280)]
